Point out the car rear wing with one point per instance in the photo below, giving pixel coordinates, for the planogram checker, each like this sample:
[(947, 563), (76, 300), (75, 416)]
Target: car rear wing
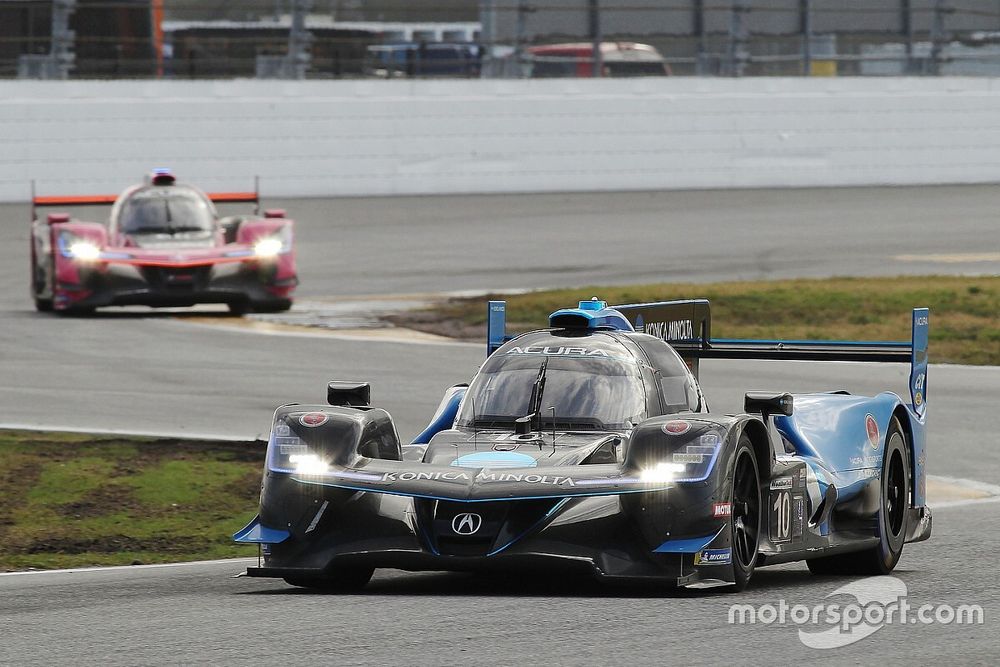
[(687, 326), (107, 200)]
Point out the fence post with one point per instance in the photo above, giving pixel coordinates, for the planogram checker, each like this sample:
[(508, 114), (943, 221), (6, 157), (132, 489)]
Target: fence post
[(488, 38), (299, 39), (738, 55), (938, 36), (805, 14), (698, 18), (597, 57)]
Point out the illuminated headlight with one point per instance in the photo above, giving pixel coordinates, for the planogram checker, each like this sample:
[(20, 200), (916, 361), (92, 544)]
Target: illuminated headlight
[(84, 250), (662, 473), (308, 464), (269, 247)]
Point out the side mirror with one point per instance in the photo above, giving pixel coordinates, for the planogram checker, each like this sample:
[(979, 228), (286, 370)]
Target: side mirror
[(767, 403), (57, 217), (274, 213), (348, 394)]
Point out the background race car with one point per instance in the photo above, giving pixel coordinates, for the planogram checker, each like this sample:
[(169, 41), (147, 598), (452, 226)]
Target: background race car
[(164, 245), (590, 446)]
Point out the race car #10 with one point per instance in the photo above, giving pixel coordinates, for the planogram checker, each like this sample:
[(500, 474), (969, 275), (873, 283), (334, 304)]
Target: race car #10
[(589, 446)]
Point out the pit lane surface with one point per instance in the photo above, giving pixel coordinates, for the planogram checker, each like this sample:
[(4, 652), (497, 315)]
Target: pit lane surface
[(134, 372)]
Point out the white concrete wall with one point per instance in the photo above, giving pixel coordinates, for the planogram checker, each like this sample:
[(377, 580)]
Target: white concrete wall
[(395, 137)]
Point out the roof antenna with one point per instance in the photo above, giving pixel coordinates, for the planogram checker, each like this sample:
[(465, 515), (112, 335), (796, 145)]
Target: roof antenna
[(475, 431), (553, 409)]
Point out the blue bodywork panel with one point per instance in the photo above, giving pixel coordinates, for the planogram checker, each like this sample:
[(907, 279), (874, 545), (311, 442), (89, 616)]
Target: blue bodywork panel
[(257, 533)]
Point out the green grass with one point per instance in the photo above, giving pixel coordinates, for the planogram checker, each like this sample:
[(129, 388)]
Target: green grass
[(78, 500), (965, 312)]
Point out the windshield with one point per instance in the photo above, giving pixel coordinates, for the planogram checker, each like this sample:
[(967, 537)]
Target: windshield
[(587, 393), (165, 212)]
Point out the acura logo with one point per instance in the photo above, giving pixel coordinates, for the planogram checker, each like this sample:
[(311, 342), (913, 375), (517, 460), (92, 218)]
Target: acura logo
[(466, 524)]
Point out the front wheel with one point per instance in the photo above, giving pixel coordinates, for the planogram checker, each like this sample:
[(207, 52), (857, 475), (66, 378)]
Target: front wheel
[(895, 485), (341, 580), (745, 521)]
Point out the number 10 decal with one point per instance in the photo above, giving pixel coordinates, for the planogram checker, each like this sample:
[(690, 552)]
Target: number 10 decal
[(787, 508)]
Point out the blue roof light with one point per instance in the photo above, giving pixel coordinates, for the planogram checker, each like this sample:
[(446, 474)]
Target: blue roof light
[(593, 304), (593, 314)]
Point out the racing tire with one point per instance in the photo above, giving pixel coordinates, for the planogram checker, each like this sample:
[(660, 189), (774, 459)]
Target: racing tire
[(746, 516), (78, 311), (892, 515), (342, 580), (276, 306), (239, 308), (38, 281)]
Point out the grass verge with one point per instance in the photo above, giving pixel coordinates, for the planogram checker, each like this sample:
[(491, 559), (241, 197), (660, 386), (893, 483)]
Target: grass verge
[(965, 311), (78, 500)]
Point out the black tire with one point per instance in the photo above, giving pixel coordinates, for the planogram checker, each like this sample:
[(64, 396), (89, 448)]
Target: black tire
[(276, 306), (342, 580), (892, 516), (239, 307), (38, 281), (744, 526), (78, 311)]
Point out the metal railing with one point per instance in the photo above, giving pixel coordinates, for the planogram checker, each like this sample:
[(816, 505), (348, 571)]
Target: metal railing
[(496, 38)]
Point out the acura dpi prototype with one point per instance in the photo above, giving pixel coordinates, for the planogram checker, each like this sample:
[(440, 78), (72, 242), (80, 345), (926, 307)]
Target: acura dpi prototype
[(589, 446), (164, 245)]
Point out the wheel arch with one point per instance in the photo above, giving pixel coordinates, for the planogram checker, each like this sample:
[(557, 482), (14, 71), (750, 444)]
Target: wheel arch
[(761, 443), (901, 414)]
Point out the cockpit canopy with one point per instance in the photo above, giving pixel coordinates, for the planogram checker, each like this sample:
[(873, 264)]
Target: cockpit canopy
[(577, 382), (166, 210)]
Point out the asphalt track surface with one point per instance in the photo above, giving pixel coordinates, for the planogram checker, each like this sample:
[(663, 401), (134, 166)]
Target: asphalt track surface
[(156, 373)]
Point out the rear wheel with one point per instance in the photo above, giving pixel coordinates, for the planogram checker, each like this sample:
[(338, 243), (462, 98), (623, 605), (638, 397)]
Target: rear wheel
[(881, 558), (745, 526), (341, 580)]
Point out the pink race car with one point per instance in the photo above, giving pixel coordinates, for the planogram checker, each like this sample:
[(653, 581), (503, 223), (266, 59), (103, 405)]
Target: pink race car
[(164, 245)]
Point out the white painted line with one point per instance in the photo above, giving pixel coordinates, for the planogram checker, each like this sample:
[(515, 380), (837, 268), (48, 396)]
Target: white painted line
[(127, 432), (951, 258), (152, 566), (992, 492), (303, 331)]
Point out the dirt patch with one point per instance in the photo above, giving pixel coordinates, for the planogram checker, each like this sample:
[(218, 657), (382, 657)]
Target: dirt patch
[(105, 500), (438, 323), (151, 453), (114, 544), (246, 487)]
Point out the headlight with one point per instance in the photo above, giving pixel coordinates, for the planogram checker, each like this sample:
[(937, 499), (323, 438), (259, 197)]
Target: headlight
[(661, 473), (76, 248), (277, 244), (269, 247), (84, 250), (308, 464)]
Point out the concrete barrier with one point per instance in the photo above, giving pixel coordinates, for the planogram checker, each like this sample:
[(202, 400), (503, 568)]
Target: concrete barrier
[(323, 138)]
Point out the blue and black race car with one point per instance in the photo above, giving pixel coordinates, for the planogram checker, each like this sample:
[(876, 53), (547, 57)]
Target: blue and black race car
[(589, 446)]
